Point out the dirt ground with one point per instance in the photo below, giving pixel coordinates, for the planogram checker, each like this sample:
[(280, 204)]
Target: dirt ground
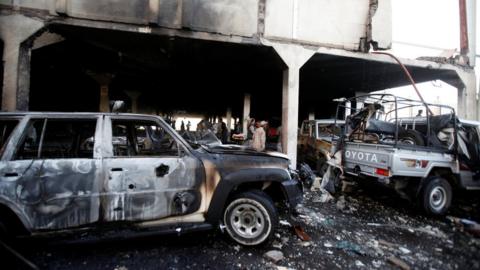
[(363, 230)]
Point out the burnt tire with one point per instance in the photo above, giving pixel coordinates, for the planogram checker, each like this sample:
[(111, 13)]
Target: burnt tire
[(321, 166), (307, 176), (250, 218), (436, 196), (412, 137)]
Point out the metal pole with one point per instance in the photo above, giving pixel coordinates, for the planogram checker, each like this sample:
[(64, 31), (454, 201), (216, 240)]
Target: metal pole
[(409, 76)]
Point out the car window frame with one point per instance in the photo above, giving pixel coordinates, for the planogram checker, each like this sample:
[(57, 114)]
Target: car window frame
[(26, 121), (182, 145)]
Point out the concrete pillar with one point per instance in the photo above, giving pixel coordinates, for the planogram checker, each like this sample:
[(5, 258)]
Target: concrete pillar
[(133, 95), (294, 57), (348, 109), (229, 119), (467, 95), (246, 112), (16, 31), (103, 79)]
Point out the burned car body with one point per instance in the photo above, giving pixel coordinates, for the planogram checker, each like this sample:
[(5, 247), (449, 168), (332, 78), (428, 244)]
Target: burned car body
[(64, 171), (315, 142), (424, 158)]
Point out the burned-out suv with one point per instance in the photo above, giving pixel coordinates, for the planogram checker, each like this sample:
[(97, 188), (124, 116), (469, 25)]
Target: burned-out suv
[(65, 171)]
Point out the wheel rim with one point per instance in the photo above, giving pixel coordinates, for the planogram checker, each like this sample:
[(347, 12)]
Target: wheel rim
[(438, 198), (247, 220), (408, 140)]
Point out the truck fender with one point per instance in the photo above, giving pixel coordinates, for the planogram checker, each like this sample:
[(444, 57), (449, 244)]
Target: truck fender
[(229, 182), (17, 211)]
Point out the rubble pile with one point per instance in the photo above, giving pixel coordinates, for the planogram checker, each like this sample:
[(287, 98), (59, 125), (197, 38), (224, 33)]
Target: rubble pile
[(347, 231)]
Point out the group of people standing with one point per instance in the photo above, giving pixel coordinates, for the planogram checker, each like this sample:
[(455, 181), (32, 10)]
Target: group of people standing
[(260, 135)]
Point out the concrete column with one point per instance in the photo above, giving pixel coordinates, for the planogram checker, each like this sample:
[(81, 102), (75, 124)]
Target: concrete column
[(294, 57), (311, 115), (229, 118), (467, 95), (103, 79), (348, 109), (246, 112), (15, 31), (133, 95)]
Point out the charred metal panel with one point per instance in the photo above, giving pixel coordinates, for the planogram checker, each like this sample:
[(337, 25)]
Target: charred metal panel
[(170, 13), (37, 4), (53, 194), (332, 23), (230, 17), (6, 2), (381, 24), (128, 11), (135, 192)]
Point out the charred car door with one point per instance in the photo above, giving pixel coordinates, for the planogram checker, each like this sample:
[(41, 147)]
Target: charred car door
[(55, 172), (150, 175)]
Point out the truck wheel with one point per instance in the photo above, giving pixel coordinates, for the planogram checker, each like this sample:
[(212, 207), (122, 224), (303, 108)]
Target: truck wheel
[(411, 136), (250, 218), (436, 196)]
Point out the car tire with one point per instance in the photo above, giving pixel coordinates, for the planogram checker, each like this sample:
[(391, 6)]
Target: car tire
[(250, 218), (436, 196), (411, 137)]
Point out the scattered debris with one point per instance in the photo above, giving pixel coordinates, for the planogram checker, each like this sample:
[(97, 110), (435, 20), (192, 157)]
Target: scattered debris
[(359, 264), (399, 263), (427, 229), (285, 223), (316, 184), (341, 204), (277, 245), (404, 250), (350, 247), (376, 264), (404, 221), (386, 243), (274, 255), (324, 197), (301, 233), (348, 186), (466, 225), (306, 244)]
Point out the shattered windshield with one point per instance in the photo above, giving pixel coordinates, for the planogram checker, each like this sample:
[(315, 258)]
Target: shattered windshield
[(202, 137)]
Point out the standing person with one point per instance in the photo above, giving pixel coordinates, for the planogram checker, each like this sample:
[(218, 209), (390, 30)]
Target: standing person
[(259, 137), (250, 131), (224, 134), (189, 125), (182, 126)]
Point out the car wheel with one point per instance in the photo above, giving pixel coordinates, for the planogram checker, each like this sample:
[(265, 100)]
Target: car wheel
[(437, 196), (250, 218)]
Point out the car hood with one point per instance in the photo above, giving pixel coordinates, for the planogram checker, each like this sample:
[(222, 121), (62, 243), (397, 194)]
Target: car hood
[(232, 149)]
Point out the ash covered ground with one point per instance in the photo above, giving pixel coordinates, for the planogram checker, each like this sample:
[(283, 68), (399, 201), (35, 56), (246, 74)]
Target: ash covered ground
[(363, 230)]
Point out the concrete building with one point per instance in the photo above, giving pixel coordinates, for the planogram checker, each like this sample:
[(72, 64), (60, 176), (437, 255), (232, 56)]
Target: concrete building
[(260, 58)]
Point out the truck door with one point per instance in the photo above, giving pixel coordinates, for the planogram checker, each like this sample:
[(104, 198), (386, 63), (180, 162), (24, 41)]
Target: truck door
[(55, 172), (149, 174)]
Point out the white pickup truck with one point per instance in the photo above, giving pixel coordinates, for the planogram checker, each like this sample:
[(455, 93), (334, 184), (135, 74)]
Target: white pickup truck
[(426, 158)]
